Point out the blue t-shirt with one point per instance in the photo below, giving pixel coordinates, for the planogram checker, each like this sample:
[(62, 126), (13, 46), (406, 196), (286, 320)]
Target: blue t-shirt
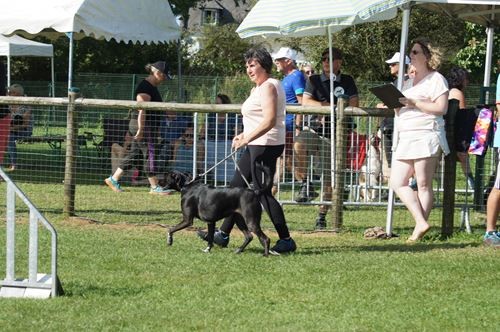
[(294, 85), (172, 128), (214, 125)]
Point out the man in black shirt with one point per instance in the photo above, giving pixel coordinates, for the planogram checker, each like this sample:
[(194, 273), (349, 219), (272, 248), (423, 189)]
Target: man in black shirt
[(314, 140)]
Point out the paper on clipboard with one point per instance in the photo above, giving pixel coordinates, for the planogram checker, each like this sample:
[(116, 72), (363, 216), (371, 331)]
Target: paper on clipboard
[(388, 94)]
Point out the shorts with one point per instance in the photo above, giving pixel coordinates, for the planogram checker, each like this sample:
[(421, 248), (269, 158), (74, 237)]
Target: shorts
[(319, 148), (418, 144), (289, 143)]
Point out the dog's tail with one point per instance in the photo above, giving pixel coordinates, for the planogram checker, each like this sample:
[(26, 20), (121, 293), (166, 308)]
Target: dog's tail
[(268, 180)]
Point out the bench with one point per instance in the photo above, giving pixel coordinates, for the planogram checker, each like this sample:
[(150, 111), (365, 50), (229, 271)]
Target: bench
[(54, 141)]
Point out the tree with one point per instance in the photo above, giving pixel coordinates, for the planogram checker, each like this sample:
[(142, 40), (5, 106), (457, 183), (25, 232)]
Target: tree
[(367, 46), (472, 55), (221, 52)]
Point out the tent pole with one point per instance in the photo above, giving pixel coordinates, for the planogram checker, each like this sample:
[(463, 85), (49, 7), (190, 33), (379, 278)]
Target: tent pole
[(52, 74), (70, 65), (402, 48), (8, 70), (180, 90), (489, 52), (332, 110)]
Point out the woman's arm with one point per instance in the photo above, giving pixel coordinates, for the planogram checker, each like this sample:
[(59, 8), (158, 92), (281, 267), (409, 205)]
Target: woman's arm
[(269, 103), (458, 95), (437, 107), (141, 118)]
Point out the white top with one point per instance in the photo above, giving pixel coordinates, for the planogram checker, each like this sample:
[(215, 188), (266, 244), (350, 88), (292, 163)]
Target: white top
[(253, 116), (429, 88)]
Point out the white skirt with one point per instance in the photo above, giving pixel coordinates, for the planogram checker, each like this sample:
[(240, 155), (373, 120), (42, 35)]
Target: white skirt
[(417, 144)]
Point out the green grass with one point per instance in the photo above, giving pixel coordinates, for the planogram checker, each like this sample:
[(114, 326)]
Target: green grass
[(121, 275)]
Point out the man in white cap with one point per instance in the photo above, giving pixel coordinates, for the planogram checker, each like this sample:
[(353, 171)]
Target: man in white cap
[(293, 83), (394, 65)]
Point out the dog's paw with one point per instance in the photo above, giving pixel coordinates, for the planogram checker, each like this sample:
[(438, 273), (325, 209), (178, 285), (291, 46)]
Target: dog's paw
[(170, 239), (207, 249)]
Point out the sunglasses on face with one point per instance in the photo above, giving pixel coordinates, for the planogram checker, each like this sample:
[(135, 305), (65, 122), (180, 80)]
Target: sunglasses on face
[(309, 72), (393, 64), (415, 52)]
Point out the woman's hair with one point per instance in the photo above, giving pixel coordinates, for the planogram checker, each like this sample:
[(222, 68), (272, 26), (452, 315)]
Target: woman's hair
[(224, 98), (262, 56), (149, 68), (432, 53), (457, 77)]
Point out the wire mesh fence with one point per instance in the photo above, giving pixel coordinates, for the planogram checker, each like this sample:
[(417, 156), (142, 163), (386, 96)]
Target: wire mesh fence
[(194, 142)]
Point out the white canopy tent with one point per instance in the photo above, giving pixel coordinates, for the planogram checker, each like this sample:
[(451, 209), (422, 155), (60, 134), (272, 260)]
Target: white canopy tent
[(143, 21), (18, 46)]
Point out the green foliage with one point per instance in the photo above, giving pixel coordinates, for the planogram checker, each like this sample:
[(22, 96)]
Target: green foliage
[(221, 52), (367, 46), (472, 55)]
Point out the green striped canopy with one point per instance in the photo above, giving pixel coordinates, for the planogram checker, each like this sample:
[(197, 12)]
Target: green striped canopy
[(300, 18)]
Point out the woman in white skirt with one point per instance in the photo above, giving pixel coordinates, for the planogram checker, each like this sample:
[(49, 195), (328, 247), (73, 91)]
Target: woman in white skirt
[(421, 134)]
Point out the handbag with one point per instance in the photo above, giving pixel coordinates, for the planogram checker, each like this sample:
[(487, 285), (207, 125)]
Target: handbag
[(482, 132)]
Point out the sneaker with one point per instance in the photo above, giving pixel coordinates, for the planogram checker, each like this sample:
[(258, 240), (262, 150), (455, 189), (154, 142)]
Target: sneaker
[(160, 191), (320, 223), (413, 184), (284, 246), (220, 238), (113, 184), (491, 239), (305, 195), (470, 183)]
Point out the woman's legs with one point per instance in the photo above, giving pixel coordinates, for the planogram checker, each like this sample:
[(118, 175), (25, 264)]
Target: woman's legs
[(424, 171), (267, 156), (419, 204)]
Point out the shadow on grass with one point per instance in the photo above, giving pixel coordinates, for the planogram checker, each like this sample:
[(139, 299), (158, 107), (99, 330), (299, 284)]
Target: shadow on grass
[(75, 289), (82, 212), (387, 247)]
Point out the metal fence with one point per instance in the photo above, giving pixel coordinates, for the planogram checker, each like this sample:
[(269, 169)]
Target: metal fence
[(195, 136)]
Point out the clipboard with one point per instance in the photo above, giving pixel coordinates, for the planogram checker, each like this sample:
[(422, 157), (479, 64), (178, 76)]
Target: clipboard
[(388, 94)]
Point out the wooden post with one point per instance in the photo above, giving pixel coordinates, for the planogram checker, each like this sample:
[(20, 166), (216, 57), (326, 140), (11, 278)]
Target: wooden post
[(339, 167), (70, 165), (450, 165)]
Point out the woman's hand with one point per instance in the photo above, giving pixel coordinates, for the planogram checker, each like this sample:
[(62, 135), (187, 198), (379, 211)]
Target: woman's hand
[(239, 142), (139, 135), (408, 102)]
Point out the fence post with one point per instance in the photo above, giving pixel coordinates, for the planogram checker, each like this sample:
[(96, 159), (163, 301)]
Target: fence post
[(450, 162), (70, 165), (340, 149)]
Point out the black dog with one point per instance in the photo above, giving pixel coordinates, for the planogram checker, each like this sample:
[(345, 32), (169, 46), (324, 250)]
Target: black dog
[(210, 204)]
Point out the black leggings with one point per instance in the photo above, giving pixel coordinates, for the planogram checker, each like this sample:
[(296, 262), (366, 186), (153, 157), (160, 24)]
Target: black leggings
[(252, 156)]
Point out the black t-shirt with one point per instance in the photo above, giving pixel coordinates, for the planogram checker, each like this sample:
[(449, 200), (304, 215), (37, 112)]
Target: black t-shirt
[(318, 87), (153, 118)]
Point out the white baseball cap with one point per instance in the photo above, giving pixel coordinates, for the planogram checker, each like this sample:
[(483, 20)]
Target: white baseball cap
[(285, 52), (395, 59)]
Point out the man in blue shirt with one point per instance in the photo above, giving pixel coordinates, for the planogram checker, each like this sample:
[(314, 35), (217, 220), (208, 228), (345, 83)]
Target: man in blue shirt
[(293, 83)]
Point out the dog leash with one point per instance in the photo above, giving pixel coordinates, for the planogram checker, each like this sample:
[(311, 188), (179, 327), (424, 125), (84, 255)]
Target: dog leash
[(232, 154)]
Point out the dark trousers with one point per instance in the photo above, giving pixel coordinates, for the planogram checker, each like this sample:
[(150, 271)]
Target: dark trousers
[(252, 156)]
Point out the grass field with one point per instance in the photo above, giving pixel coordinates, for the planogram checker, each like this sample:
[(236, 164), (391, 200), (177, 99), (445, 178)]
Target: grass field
[(120, 275)]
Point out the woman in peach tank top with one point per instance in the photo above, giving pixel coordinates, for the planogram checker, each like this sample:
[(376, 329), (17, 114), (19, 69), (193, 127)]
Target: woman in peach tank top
[(263, 141)]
